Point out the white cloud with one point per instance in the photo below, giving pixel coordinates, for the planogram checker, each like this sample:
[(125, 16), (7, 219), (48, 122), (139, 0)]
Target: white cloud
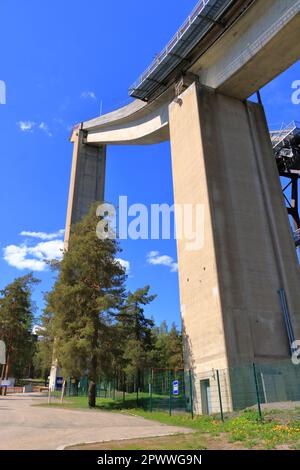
[(43, 235), (16, 256), (156, 259), (26, 126), (44, 127), (125, 264), (47, 250), (31, 126), (88, 95), (34, 257)]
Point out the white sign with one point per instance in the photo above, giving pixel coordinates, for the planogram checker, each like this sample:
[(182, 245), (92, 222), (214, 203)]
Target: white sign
[(2, 353), (5, 383)]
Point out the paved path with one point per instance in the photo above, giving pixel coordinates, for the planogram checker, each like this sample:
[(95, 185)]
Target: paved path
[(23, 426)]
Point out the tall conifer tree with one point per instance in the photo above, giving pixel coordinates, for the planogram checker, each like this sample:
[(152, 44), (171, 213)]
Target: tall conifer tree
[(88, 291)]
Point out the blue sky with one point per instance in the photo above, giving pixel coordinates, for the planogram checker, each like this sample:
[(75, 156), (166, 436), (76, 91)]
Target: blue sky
[(58, 65)]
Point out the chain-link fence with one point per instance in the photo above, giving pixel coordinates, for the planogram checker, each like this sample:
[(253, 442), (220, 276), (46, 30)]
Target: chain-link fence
[(257, 386), (79, 388), (154, 389), (215, 392), (170, 390)]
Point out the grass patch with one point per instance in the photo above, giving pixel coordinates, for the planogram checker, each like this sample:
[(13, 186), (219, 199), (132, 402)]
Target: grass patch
[(176, 442), (104, 404), (280, 427), (79, 403)]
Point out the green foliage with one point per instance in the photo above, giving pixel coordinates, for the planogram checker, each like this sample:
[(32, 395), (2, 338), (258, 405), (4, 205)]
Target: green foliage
[(135, 332), (88, 291), (131, 316), (95, 328), (16, 322), (167, 351), (143, 344), (44, 347)]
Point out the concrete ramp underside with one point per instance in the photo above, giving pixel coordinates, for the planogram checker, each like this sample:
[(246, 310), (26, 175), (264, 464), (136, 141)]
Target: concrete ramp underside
[(152, 128)]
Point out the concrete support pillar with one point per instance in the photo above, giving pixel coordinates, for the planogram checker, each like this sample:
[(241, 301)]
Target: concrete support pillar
[(87, 179), (222, 159)]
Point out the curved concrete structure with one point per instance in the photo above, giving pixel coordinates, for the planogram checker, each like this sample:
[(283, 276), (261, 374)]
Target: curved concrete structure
[(142, 130), (138, 123)]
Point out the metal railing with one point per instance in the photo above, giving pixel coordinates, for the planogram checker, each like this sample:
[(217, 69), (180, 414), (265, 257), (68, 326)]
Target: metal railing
[(297, 237), (174, 41), (278, 136)]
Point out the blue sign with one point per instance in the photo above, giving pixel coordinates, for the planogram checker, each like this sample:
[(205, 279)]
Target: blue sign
[(176, 387), (59, 383)]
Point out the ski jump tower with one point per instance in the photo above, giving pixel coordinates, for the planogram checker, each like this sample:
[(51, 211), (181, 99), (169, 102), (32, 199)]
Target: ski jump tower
[(195, 95)]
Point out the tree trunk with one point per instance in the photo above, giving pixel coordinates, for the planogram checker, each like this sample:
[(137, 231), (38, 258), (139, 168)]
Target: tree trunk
[(6, 369), (63, 391), (2, 372), (2, 377), (7, 366), (94, 366), (92, 394)]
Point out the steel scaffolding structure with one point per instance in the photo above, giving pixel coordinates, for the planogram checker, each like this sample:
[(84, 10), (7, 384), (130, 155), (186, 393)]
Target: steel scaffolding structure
[(286, 146)]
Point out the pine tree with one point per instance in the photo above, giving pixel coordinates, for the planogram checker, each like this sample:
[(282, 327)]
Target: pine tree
[(167, 351), (175, 349), (16, 322), (132, 319), (44, 347), (135, 333), (86, 295)]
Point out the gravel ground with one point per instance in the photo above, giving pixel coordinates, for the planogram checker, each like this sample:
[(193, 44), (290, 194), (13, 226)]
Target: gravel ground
[(24, 427)]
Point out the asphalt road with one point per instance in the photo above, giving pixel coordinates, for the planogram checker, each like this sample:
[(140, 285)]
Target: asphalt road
[(27, 427)]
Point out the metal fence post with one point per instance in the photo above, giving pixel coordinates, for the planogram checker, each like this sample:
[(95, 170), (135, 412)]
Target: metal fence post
[(220, 396), (257, 393), (191, 394), (151, 385), (124, 387), (170, 395), (137, 384)]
